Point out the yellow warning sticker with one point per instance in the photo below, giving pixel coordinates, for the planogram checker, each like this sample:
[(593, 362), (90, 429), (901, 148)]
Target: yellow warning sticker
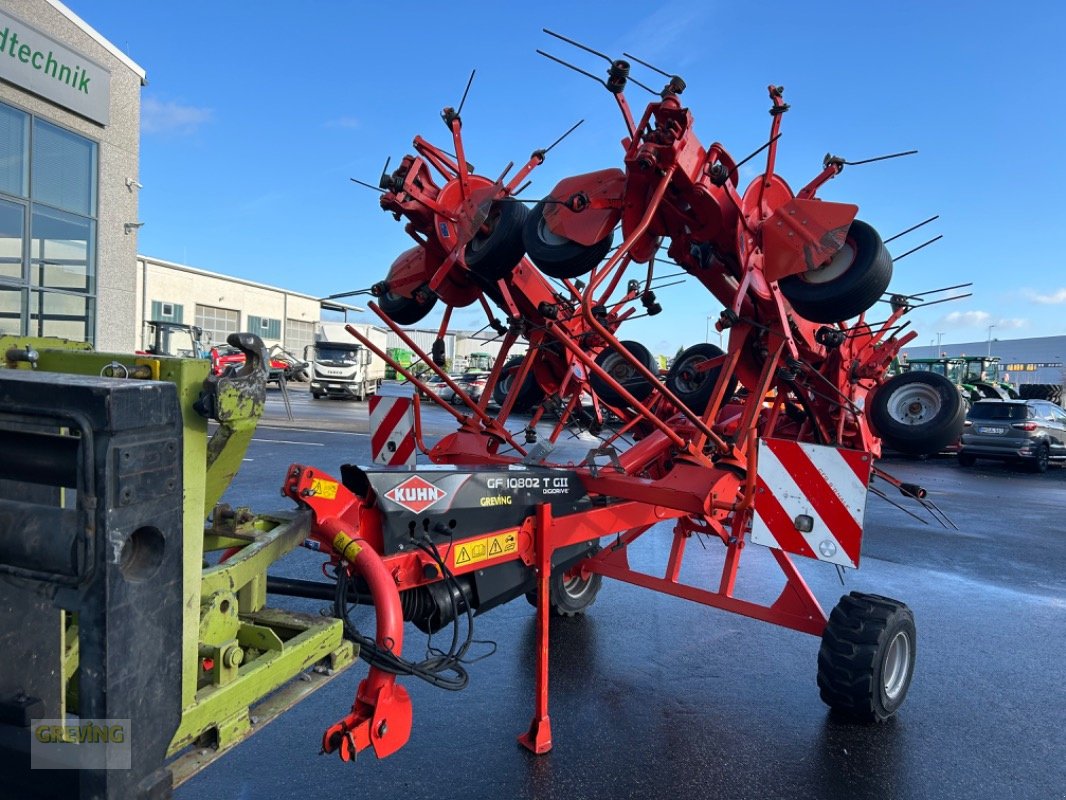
[(474, 550), (324, 489)]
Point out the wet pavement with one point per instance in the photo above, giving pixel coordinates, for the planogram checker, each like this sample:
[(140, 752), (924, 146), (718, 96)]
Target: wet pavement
[(654, 697)]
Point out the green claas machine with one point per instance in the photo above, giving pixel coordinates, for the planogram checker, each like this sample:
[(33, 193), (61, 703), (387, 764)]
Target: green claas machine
[(112, 540)]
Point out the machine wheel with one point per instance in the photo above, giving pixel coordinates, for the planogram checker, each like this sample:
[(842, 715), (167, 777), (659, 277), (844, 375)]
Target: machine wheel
[(967, 460), (569, 594), (866, 660), (407, 310), (1041, 391), (692, 387), (1040, 461), (849, 284), (558, 256), (618, 367), (497, 247), (528, 395), (918, 412), (315, 396)]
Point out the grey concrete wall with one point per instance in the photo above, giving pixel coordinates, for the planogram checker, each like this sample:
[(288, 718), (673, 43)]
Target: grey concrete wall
[(119, 144)]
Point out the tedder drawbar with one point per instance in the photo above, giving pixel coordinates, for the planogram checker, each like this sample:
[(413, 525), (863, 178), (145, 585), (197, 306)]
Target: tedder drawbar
[(767, 442), (118, 603)]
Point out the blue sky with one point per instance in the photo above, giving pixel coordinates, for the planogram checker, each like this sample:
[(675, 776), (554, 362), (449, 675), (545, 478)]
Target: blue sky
[(256, 115)]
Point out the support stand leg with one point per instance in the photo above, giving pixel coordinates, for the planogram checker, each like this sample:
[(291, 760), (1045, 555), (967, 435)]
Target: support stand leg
[(538, 739)]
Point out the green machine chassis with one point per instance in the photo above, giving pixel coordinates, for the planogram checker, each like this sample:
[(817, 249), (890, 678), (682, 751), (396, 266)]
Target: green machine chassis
[(239, 657)]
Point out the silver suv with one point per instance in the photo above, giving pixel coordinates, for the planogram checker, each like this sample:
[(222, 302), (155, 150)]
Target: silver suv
[(1030, 431)]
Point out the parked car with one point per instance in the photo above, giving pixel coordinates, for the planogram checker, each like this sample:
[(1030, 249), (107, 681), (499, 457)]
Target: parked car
[(224, 356), (1029, 431), (473, 383)]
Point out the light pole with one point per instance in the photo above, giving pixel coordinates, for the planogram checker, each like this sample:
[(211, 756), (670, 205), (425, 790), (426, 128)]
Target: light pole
[(939, 337), (990, 327)]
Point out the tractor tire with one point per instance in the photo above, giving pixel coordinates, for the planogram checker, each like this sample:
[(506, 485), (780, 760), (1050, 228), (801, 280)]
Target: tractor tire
[(528, 395), (1041, 391), (570, 595), (694, 388), (558, 256), (848, 285), (866, 660), (918, 413), (407, 310), (497, 248), (619, 368)]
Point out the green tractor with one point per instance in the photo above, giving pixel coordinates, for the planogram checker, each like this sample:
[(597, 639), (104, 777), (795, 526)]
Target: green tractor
[(976, 376)]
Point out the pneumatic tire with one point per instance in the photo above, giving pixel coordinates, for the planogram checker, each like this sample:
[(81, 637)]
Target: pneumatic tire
[(529, 394), (1041, 391), (918, 413), (556, 255), (497, 248), (848, 285), (407, 310), (866, 660), (689, 384), (618, 367), (568, 593)]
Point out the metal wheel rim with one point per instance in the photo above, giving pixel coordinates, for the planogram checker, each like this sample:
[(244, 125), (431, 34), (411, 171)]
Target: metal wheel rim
[(897, 665), (574, 586), (1042, 457), (687, 366), (619, 368), (545, 234), (839, 264), (914, 404)]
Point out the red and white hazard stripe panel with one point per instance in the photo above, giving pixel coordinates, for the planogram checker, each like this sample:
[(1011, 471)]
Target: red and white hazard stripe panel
[(810, 500), (392, 436)]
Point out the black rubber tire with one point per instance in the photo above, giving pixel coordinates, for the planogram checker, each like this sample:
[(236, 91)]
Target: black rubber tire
[(1041, 391), (623, 372), (866, 660), (1039, 462), (851, 293), (316, 396), (407, 310), (528, 396), (495, 254), (931, 426), (569, 597), (967, 459), (557, 256), (695, 389)]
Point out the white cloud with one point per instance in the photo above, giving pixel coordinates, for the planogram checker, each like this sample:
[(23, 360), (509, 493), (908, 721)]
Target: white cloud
[(158, 116), (1054, 298), (967, 319), (1013, 323), (344, 122)]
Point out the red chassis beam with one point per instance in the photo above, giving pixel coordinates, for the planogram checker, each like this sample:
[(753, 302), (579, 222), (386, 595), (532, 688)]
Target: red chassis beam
[(349, 529)]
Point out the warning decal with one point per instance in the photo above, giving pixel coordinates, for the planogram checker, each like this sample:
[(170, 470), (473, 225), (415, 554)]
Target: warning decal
[(324, 489), (474, 550)]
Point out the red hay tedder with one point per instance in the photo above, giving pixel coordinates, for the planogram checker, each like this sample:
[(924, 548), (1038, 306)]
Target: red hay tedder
[(767, 442)]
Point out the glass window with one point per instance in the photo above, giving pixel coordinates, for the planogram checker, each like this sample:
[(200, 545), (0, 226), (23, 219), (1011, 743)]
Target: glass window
[(12, 234), (997, 409), (60, 314), (60, 256), (64, 169), (14, 133), (10, 311)]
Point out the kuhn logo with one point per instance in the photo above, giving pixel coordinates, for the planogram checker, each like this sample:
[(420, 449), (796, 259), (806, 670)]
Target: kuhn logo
[(415, 494)]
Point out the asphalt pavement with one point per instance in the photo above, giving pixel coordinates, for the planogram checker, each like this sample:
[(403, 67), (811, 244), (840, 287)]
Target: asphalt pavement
[(654, 697)]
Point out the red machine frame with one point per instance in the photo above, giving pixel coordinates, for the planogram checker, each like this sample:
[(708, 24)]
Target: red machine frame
[(805, 381)]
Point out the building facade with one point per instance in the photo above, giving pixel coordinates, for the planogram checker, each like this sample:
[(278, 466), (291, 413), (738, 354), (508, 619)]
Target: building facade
[(220, 305), (69, 144), (1038, 359)]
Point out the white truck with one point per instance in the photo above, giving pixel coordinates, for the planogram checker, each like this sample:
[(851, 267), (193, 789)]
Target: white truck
[(340, 366)]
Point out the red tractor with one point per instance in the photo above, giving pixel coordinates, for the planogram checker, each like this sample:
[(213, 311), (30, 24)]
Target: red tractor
[(766, 443)]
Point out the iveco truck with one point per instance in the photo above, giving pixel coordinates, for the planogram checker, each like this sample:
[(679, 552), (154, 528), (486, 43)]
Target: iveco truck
[(340, 366)]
